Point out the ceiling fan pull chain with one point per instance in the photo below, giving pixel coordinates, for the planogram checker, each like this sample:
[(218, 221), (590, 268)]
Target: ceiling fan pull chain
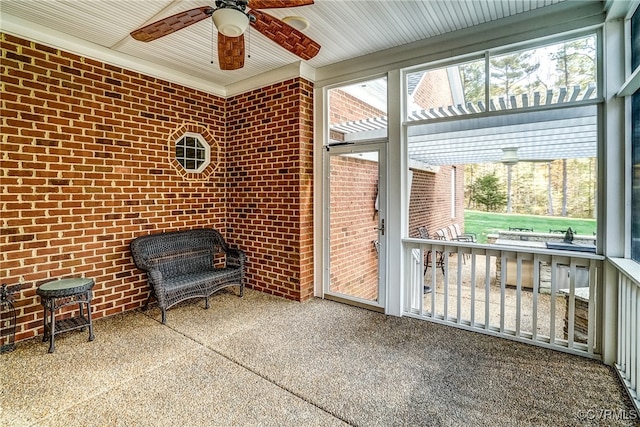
[(249, 42), (213, 28)]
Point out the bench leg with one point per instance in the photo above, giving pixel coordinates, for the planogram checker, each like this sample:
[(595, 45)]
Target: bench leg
[(164, 316), (146, 304), (206, 302)]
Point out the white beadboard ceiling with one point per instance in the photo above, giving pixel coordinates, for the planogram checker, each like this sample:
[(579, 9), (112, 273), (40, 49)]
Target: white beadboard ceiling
[(346, 29)]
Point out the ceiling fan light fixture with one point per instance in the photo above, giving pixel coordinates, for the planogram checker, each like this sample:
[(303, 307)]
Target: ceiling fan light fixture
[(509, 156), (298, 22), (230, 22)]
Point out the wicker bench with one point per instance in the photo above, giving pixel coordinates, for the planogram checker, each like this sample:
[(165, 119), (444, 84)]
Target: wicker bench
[(181, 265)]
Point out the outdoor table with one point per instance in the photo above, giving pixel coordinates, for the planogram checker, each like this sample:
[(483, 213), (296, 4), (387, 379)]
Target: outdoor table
[(62, 293)]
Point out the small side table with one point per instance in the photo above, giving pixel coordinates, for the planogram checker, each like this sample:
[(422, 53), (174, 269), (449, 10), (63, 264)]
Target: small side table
[(61, 293)]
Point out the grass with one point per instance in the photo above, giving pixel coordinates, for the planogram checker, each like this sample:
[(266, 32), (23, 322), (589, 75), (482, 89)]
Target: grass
[(484, 223)]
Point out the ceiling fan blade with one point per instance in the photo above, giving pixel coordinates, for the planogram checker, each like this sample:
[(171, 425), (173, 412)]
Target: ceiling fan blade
[(285, 35), (171, 24), (230, 52), (276, 4)]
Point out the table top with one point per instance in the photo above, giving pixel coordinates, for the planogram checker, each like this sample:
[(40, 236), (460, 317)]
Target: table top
[(65, 287), (580, 293), (522, 243)]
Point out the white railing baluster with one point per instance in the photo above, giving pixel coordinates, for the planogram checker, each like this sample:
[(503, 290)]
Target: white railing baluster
[(445, 261), (536, 289), (593, 294), (622, 305), (459, 288), (473, 288), (487, 289), (571, 315), (418, 281), (518, 292), (434, 271), (552, 303), (634, 319), (503, 286)]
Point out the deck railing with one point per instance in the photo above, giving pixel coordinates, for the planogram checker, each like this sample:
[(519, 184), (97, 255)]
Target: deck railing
[(628, 355), (549, 298)]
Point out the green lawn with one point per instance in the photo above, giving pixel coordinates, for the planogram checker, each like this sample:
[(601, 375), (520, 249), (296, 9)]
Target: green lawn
[(483, 223)]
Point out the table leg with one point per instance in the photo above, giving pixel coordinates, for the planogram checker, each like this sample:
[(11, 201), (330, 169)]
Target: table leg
[(52, 326), (91, 336), (44, 322), (80, 304)]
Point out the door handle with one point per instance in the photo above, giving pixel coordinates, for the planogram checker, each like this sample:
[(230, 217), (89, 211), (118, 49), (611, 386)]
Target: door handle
[(381, 228)]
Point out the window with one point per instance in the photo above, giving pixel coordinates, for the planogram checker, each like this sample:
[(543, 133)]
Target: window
[(555, 74), (455, 90), (358, 112), (192, 152), (518, 141), (635, 140)]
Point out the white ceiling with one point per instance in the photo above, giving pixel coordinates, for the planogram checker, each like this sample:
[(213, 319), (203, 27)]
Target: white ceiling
[(346, 29)]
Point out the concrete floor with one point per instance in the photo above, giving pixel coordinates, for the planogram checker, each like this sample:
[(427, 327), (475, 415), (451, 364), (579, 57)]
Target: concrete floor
[(261, 360)]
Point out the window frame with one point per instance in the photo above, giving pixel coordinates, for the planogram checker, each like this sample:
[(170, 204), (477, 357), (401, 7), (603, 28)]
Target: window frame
[(206, 148), (630, 87)]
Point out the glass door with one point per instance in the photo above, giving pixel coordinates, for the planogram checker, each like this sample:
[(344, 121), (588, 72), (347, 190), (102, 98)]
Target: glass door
[(355, 197)]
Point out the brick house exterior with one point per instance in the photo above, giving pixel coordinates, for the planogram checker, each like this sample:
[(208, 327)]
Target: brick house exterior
[(431, 199), (87, 165)]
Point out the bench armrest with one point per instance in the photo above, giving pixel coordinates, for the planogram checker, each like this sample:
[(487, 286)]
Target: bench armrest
[(235, 257)]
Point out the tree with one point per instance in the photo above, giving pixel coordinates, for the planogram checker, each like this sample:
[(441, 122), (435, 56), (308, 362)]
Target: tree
[(508, 71), (472, 77), (575, 63), (488, 191)]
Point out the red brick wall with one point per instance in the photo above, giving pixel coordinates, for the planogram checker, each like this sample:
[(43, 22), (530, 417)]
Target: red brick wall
[(430, 200), (270, 164), (87, 166), (344, 107), (434, 90), (354, 261)]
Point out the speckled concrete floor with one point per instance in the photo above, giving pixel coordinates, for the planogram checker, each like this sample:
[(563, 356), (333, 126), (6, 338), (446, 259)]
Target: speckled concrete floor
[(261, 360)]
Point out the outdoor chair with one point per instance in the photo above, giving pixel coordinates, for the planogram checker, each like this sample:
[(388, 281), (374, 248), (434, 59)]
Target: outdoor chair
[(456, 237), (424, 234), (457, 234)]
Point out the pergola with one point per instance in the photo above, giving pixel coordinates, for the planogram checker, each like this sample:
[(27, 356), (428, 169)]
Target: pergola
[(558, 129)]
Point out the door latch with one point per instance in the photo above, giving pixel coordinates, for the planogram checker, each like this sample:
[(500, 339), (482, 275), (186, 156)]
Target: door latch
[(381, 228)]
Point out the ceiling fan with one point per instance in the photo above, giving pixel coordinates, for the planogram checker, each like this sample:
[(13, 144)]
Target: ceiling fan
[(231, 18)]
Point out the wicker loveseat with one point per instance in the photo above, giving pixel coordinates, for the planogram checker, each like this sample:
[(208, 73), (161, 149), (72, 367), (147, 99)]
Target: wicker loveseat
[(187, 264)]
